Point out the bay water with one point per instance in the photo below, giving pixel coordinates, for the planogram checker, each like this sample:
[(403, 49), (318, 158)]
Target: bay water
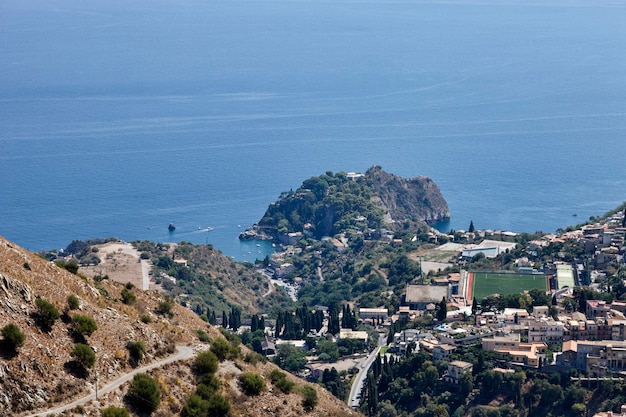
[(118, 118)]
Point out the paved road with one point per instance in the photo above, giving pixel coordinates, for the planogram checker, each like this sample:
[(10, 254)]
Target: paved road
[(183, 352), (364, 366)]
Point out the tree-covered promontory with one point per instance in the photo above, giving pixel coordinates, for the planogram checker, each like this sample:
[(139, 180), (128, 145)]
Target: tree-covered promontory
[(334, 203)]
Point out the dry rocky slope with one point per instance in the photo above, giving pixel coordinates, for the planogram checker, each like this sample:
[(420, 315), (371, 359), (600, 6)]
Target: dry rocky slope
[(37, 377)]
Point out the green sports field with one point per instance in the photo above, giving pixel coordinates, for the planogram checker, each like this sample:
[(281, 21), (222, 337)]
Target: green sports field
[(486, 283)]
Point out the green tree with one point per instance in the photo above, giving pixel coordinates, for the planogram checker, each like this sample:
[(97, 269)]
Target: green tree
[(46, 314), (290, 358), (251, 383), (328, 350), (84, 355), (466, 383), (13, 336), (114, 412), (144, 393), (471, 227)]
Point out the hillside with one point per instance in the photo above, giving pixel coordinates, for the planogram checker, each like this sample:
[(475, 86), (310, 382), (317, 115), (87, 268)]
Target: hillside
[(42, 373), (197, 275), (330, 204)]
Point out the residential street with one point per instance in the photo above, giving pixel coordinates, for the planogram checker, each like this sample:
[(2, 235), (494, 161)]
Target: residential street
[(364, 366)]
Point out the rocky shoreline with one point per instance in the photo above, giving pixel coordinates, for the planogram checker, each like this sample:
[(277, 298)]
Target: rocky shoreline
[(254, 233)]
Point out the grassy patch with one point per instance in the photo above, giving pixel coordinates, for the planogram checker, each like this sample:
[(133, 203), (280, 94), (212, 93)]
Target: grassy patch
[(486, 283)]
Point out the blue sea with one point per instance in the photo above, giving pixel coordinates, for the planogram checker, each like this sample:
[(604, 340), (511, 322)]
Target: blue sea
[(118, 118)]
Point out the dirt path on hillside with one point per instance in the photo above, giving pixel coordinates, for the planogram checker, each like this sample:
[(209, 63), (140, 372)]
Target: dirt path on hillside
[(182, 353)]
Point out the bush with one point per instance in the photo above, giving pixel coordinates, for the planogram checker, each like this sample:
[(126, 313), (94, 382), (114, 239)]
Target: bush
[(254, 358), (251, 384), (69, 266), (144, 393), (309, 400), (224, 350), (208, 385), (73, 302), (115, 412), (13, 337), (128, 297), (165, 309), (129, 285), (195, 407), (84, 325), (84, 355), (136, 350), (46, 314), (203, 336), (218, 406), (146, 319), (280, 380), (206, 362)]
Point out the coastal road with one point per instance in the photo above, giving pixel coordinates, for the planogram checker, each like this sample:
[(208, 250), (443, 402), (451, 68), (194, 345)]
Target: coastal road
[(182, 353), (364, 366)]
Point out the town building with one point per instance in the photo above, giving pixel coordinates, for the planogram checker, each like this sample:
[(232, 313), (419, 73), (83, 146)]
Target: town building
[(455, 370), (373, 313), (510, 348)]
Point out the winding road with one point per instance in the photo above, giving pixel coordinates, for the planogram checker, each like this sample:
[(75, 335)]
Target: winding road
[(364, 366), (182, 353)]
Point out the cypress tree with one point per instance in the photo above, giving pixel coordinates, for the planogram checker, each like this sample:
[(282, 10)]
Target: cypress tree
[(443, 309), (279, 324)]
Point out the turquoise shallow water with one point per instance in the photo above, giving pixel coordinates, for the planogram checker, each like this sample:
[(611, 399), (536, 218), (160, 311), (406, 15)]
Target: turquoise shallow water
[(119, 119)]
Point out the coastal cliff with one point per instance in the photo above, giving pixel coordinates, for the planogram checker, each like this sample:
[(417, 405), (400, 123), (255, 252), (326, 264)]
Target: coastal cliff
[(416, 199), (335, 203)]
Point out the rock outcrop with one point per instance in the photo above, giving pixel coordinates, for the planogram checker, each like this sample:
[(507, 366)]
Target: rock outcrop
[(415, 199)]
